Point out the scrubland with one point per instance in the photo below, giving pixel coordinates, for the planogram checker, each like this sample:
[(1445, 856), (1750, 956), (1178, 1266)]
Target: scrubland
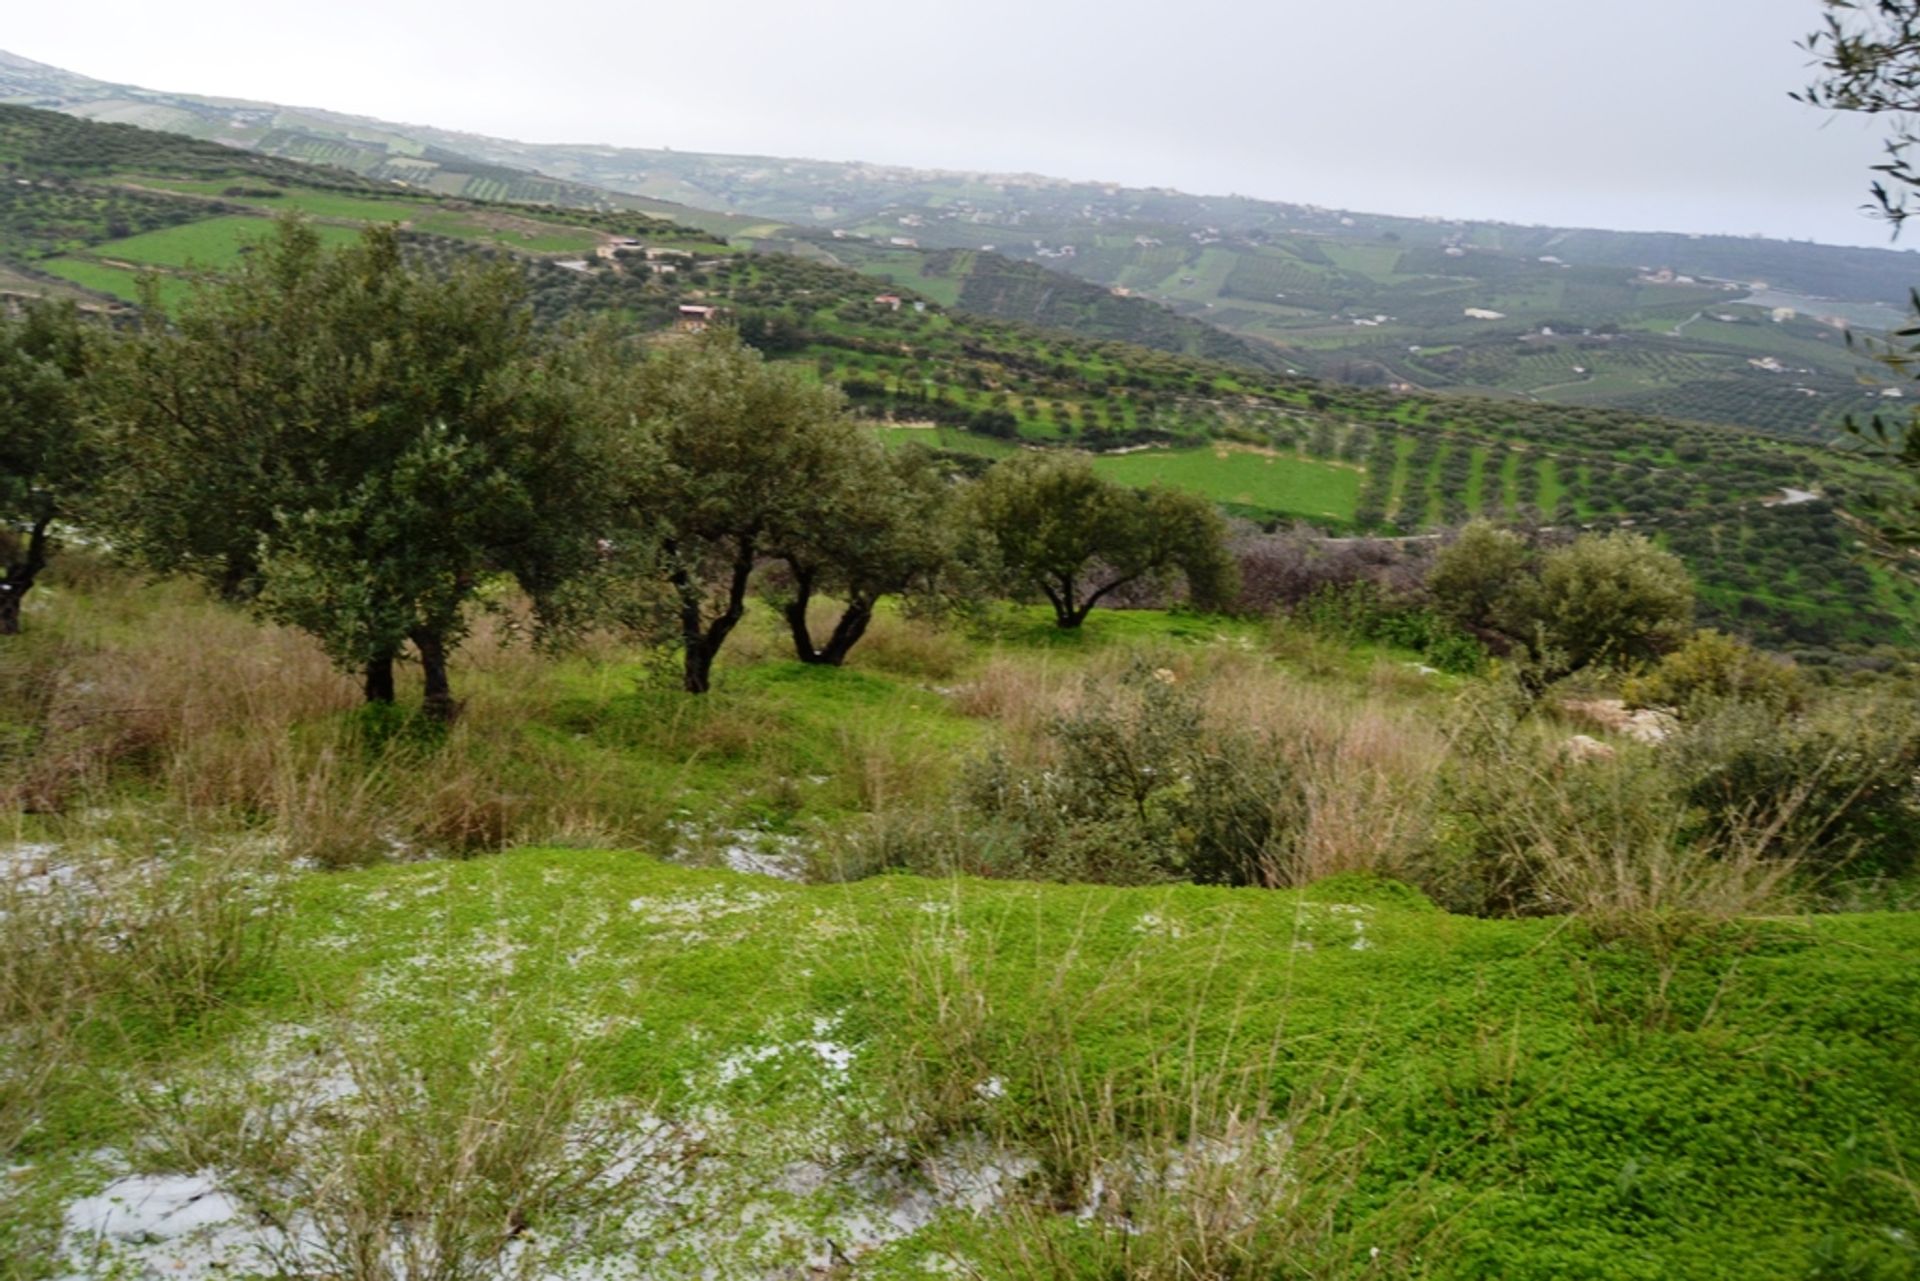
[(901, 969)]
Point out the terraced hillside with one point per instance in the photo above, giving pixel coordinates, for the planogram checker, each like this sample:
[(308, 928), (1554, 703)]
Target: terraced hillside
[(94, 208), (1690, 326), (95, 205)]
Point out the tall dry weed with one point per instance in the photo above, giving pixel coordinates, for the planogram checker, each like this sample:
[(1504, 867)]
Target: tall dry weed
[(1613, 840), (911, 647), (1366, 767), (191, 692)]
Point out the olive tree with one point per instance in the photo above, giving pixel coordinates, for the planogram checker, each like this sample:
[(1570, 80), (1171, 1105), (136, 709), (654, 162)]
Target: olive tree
[(1868, 54), (1060, 530), (884, 525), (350, 444), (45, 466), (729, 454), (1613, 597)]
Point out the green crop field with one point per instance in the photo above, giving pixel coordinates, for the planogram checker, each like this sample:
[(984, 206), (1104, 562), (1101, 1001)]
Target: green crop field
[(1262, 481), (951, 438), (215, 242), (120, 282), (339, 206)]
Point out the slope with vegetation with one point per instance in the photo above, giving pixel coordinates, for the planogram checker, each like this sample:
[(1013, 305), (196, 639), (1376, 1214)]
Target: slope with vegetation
[(626, 1059), (1267, 902), (1651, 323), (1266, 446)]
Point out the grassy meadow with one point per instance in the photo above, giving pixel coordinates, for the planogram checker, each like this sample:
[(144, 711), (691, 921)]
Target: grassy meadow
[(1244, 479), (211, 243)]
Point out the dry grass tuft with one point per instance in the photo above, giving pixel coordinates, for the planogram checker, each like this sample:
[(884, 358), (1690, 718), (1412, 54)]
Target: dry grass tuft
[(191, 692), (911, 647)]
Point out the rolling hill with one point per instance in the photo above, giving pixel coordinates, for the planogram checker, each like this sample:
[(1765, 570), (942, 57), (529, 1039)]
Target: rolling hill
[(90, 209), (1739, 330)]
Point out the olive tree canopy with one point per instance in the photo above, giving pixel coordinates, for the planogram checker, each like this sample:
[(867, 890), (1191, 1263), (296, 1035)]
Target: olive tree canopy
[(1062, 531)]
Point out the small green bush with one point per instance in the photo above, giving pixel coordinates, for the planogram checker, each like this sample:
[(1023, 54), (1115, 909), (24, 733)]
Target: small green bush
[(1475, 577), (1713, 667), (1613, 598), (1835, 787), (1363, 612), (1143, 791)]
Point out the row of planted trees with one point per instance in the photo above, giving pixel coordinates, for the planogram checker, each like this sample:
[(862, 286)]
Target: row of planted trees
[(367, 450)]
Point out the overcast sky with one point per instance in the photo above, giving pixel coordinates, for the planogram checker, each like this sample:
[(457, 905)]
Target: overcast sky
[(1642, 114)]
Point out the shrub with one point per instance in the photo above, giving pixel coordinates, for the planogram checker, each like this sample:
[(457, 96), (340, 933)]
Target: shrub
[(1533, 830), (1835, 787), (1142, 791), (1475, 577), (1364, 612), (1712, 667), (1614, 597), (1283, 569)]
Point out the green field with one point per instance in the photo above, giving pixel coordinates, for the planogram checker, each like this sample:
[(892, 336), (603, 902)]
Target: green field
[(310, 201), (1282, 484), (216, 242), (555, 240), (116, 281), (461, 223), (952, 438)]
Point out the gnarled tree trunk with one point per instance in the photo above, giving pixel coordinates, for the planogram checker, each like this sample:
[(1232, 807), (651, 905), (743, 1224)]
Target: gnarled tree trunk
[(847, 630), (21, 574), (378, 685), (701, 640), (1068, 613), (438, 703)]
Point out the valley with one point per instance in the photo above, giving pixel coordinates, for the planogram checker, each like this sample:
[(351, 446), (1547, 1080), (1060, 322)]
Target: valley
[(103, 208), (1426, 303)]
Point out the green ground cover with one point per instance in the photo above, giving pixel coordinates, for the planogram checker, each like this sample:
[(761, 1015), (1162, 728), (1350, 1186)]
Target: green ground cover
[(1488, 1098), (312, 202), (213, 242), (120, 282), (952, 438), (1282, 484)]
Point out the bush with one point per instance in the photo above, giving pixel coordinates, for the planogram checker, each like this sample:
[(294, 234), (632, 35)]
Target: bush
[(1713, 667), (1279, 571), (1535, 829), (1835, 788), (1475, 577), (1363, 612), (1614, 598), (1141, 791), (1517, 813)]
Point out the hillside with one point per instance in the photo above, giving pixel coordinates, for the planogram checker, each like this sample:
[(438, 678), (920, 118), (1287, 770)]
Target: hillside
[(577, 742), (94, 206), (1686, 326), (387, 156), (247, 1035)]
